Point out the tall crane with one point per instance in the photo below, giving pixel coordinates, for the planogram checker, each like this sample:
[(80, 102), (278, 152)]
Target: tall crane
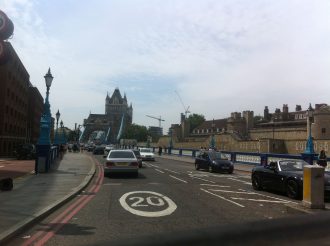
[(186, 109), (159, 119)]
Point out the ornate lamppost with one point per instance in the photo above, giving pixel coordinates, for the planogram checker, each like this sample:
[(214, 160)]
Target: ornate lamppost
[(56, 139), (309, 150), (171, 142), (44, 146), (212, 143)]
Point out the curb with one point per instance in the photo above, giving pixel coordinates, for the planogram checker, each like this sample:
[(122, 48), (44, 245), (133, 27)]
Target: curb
[(6, 235)]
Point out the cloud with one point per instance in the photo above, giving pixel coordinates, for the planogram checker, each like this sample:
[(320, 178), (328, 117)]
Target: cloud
[(222, 56)]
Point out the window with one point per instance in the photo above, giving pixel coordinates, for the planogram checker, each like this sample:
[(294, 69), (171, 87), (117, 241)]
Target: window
[(323, 130)]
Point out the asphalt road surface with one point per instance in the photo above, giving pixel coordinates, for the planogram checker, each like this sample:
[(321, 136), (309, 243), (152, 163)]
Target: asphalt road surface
[(167, 197)]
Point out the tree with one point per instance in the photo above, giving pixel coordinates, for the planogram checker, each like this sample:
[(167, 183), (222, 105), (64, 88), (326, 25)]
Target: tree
[(134, 131), (195, 120)]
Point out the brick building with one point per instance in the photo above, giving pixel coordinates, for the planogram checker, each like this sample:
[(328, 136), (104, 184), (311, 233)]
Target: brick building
[(18, 123)]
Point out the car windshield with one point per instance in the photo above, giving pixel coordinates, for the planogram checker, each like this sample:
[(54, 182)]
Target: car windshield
[(145, 150), (216, 156), (121, 154), (292, 165)]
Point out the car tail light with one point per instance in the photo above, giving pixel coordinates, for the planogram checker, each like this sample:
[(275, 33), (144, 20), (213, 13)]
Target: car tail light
[(134, 164), (110, 164)]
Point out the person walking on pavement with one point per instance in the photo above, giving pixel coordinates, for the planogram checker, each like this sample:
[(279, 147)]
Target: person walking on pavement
[(322, 159), (61, 151), (160, 150)]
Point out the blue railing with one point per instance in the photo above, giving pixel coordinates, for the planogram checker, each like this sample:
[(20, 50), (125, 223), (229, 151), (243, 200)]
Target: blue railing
[(251, 158)]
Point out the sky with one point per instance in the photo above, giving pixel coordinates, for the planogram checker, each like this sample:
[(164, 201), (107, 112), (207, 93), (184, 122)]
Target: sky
[(220, 56)]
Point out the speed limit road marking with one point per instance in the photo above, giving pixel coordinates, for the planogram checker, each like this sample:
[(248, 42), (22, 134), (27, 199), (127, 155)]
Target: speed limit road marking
[(139, 202)]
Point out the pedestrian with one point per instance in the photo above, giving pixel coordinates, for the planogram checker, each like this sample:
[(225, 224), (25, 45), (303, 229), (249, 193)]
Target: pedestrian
[(160, 150), (322, 159)]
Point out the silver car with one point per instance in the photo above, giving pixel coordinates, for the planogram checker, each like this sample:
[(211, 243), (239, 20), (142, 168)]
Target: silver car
[(121, 161)]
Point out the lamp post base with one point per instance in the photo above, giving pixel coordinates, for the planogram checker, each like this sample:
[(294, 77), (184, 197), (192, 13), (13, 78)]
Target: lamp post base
[(43, 159)]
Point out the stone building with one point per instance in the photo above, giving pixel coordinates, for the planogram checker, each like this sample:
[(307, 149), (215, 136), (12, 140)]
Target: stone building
[(118, 115), (279, 132), (20, 105)]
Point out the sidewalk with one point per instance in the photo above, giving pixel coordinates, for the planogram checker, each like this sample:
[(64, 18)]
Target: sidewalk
[(36, 195), (237, 166)]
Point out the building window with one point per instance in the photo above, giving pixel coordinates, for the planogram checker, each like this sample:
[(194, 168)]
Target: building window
[(323, 130)]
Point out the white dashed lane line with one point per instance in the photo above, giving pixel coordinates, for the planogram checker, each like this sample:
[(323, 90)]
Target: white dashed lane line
[(242, 181), (237, 204), (220, 186), (159, 171), (258, 200), (236, 192), (171, 171), (202, 179), (178, 179)]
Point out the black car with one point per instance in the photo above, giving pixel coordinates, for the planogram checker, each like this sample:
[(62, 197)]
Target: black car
[(213, 161), (138, 157), (283, 176), (25, 152), (99, 150)]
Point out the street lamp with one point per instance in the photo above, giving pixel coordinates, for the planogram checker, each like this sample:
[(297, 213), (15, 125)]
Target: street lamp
[(171, 141), (212, 143), (309, 145), (43, 159), (56, 133)]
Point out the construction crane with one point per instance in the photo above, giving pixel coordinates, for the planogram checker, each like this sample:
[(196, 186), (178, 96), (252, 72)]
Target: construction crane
[(186, 110), (159, 119)]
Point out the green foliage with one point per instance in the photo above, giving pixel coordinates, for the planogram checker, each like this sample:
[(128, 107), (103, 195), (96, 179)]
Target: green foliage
[(137, 132), (195, 120)]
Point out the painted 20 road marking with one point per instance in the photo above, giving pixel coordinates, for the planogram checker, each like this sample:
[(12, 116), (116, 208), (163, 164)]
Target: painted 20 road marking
[(152, 201)]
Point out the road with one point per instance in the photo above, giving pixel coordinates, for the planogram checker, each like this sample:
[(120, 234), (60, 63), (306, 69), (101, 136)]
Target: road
[(168, 196)]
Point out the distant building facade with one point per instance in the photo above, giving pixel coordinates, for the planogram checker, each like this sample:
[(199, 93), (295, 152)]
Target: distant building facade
[(20, 105), (118, 116), (279, 132)]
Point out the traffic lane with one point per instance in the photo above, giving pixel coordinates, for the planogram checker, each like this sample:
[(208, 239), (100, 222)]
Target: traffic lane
[(104, 219), (236, 189)]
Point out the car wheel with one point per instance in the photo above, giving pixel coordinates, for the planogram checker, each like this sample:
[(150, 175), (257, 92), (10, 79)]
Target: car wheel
[(292, 189), (211, 169), (256, 183), (196, 166)]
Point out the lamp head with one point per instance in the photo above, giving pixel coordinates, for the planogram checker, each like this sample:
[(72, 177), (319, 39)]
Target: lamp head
[(58, 115), (48, 78)]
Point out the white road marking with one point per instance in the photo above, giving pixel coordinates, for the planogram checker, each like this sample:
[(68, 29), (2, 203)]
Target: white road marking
[(144, 163), (258, 200), (149, 201), (178, 179), (153, 165), (154, 183), (240, 205), (272, 197), (244, 182), (171, 171), (236, 192), (159, 171), (222, 186), (202, 179)]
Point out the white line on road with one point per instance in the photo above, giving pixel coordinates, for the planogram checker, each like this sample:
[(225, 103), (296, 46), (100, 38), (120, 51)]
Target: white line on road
[(171, 171), (222, 186), (159, 171), (178, 179), (244, 182), (146, 164), (259, 194), (202, 179), (236, 192), (258, 200), (240, 205), (153, 165)]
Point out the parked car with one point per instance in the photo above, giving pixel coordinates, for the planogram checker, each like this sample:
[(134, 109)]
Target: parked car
[(284, 176), (147, 154), (121, 161), (213, 161), (99, 150), (25, 152), (138, 157), (109, 147)]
